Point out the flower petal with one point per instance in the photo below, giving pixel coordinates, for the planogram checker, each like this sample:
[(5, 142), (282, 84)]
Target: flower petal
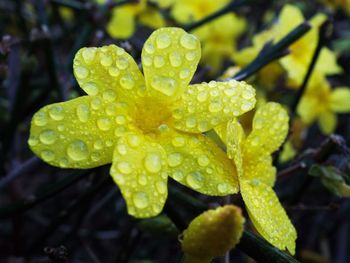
[(140, 170), (169, 59), (340, 100), (122, 23), (204, 106), (108, 71), (327, 122), (79, 133), (198, 163), (267, 215), (270, 128)]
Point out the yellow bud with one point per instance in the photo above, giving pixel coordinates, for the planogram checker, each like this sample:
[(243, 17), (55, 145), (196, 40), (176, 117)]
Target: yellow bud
[(212, 234)]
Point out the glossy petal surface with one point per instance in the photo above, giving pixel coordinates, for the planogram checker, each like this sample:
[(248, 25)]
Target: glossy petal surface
[(169, 59), (340, 100), (140, 170), (109, 72), (204, 106), (268, 215), (198, 163), (79, 133)]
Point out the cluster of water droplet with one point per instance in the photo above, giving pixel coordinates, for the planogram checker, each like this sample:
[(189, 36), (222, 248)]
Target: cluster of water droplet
[(204, 106), (169, 59)]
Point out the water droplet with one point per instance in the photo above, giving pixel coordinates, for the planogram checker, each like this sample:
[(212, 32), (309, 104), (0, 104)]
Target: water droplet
[(246, 106), (191, 122), (140, 200), (134, 140), (83, 112), (47, 137), (122, 149), (81, 72), (165, 85), (109, 95), (33, 141), (40, 118), (47, 155), (113, 71), (149, 48), (95, 156), (215, 106), (77, 150), (175, 59), (120, 119), (146, 60), (153, 162), (184, 73), (98, 145), (90, 88), (195, 180), (56, 112), (255, 182), (202, 96), (104, 124), (111, 109), (203, 160), (142, 179), (63, 162), (188, 41), (122, 63), (178, 141), (161, 187), (163, 41), (89, 54), (174, 159), (159, 61), (222, 188), (190, 56), (248, 94), (203, 126), (124, 167), (127, 81), (106, 60), (230, 91), (119, 131)]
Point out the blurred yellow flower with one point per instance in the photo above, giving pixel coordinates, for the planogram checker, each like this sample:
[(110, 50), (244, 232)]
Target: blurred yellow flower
[(212, 234), (148, 127), (321, 103), (123, 18), (256, 174)]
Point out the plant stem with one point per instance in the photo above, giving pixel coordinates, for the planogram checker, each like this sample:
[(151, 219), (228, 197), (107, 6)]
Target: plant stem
[(272, 52)]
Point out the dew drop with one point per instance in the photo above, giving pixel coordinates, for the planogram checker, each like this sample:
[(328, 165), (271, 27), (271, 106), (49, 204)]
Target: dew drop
[(161, 187), (81, 72), (104, 124), (184, 73), (106, 60), (56, 113), (248, 94), (77, 150), (90, 88), (203, 126), (134, 140), (222, 188), (47, 155), (153, 163), (95, 156), (146, 60), (83, 112), (215, 106), (140, 200), (149, 48), (178, 141), (89, 54), (122, 63), (120, 119), (202, 96), (190, 122), (195, 180), (203, 160), (98, 145), (190, 56), (111, 109), (178, 175), (142, 179), (230, 91), (127, 82), (47, 137), (63, 162), (124, 167), (33, 141), (175, 59), (163, 41), (246, 106), (165, 85), (188, 41), (113, 71), (174, 159), (122, 149), (109, 95), (40, 119), (159, 61)]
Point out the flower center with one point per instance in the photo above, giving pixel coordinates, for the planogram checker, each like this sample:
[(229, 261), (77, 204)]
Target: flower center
[(150, 114)]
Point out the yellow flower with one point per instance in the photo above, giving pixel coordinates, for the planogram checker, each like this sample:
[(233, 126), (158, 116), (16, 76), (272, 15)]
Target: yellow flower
[(186, 12), (123, 19), (147, 127), (212, 234), (256, 174), (321, 103)]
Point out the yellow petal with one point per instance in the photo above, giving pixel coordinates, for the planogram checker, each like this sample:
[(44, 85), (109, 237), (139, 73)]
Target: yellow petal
[(169, 59), (109, 72), (290, 16), (122, 23), (204, 106), (307, 109), (79, 133), (235, 140), (259, 167), (327, 122), (267, 215), (140, 170), (340, 100), (152, 17), (327, 63), (270, 128), (198, 163), (212, 234)]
